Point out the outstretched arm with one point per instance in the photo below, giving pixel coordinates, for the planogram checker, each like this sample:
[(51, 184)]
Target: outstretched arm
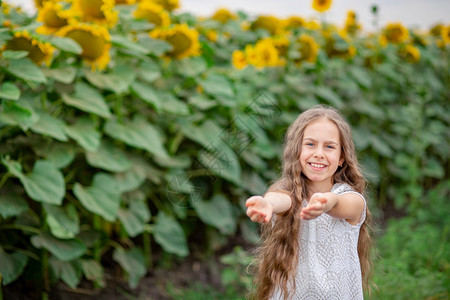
[(261, 208), (347, 206)]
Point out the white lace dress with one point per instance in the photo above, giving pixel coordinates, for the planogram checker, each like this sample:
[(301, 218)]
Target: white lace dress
[(329, 267)]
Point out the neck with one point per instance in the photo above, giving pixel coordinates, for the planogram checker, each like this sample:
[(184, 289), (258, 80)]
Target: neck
[(319, 187)]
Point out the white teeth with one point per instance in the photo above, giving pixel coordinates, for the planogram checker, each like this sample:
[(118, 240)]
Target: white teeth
[(317, 165)]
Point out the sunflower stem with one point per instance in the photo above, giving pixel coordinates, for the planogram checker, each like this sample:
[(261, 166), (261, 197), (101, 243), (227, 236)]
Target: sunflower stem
[(118, 108), (147, 250)]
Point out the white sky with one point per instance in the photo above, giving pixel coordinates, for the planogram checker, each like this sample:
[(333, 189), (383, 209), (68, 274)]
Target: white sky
[(412, 13)]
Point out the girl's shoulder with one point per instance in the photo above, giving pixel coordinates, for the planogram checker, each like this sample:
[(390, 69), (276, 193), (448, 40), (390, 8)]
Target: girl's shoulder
[(340, 188)]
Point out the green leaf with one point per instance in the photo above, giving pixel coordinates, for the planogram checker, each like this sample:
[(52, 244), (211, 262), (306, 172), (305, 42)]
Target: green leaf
[(433, 168), (63, 221), (190, 67), (50, 126), (25, 69), (217, 212), (62, 74), (14, 54), (85, 133), (147, 93), (149, 71), (109, 157), (329, 95), (133, 262), (67, 271), (16, 114), (135, 217), (59, 154), (132, 179), (361, 77), (93, 271), (101, 198), (12, 205), (170, 235), (217, 85), (11, 266), (157, 47), (138, 133), (66, 44), (171, 104), (118, 80), (9, 91), (64, 250), (124, 42), (380, 146), (361, 136), (87, 99), (44, 184)]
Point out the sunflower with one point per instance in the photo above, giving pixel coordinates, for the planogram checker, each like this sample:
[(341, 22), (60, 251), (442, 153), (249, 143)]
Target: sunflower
[(312, 25), (223, 15), (38, 51), (168, 5), (338, 44), (153, 13), (53, 18), (266, 55), (436, 30), (93, 39), (410, 53), (396, 33), (445, 34), (352, 26), (281, 43), (321, 5), (238, 59), (183, 39), (124, 2), (270, 23), (211, 35), (6, 8), (308, 48), (98, 11), (294, 22)]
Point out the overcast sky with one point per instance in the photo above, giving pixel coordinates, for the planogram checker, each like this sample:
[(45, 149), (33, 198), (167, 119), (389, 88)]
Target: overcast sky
[(412, 13)]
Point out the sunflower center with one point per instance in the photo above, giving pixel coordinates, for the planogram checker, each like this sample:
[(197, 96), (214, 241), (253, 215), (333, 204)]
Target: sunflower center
[(51, 19), (20, 43), (323, 2), (93, 46), (92, 8), (150, 16), (180, 43)]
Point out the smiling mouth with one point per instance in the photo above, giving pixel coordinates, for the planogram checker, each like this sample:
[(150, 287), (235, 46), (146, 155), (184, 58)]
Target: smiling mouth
[(317, 166)]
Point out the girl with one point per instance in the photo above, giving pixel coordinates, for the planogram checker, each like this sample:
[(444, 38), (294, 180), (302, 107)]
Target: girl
[(317, 244)]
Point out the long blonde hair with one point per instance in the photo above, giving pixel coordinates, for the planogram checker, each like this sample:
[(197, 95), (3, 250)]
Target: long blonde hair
[(277, 257)]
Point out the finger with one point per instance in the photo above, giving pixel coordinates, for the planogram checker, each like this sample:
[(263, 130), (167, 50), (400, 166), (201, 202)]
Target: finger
[(252, 200), (267, 218)]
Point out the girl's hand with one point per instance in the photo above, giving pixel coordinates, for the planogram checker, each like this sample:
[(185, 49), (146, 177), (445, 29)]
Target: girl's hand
[(316, 207), (259, 209)]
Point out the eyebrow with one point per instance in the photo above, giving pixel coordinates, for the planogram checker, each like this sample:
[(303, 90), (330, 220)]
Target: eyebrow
[(326, 142)]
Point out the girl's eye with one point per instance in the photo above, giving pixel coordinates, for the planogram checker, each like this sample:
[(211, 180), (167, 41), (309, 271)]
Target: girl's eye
[(309, 144), (330, 147)]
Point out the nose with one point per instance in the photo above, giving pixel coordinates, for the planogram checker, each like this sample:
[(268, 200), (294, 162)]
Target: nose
[(318, 153)]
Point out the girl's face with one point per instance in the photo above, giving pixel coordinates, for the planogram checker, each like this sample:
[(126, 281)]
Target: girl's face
[(320, 154)]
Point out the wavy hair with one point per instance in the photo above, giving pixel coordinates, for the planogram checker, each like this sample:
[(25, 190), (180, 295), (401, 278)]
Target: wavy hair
[(277, 257)]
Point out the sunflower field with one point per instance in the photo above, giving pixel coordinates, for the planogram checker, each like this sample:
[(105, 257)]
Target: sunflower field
[(129, 130)]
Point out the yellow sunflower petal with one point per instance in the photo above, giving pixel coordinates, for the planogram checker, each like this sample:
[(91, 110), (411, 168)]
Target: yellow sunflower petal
[(168, 5), (183, 39), (93, 39), (98, 11), (396, 33), (223, 15), (38, 51), (321, 5), (153, 13), (238, 59)]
